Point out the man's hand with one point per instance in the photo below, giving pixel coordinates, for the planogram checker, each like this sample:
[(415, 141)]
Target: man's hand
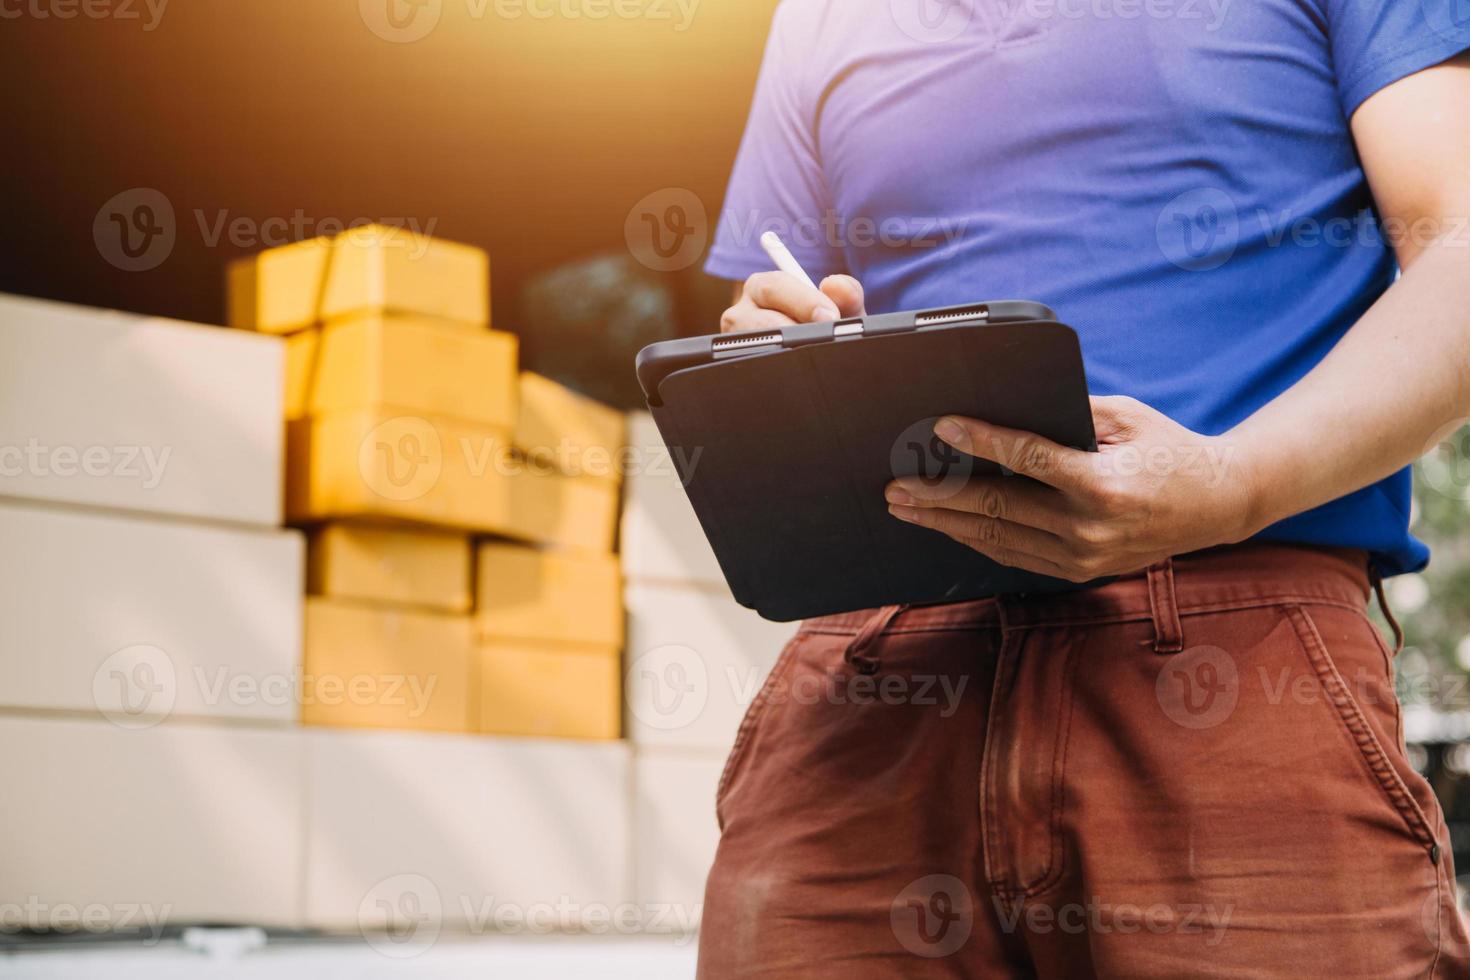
[(1155, 489), (775, 299)]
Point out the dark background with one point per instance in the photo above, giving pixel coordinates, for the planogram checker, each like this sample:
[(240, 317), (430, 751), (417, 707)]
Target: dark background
[(532, 138)]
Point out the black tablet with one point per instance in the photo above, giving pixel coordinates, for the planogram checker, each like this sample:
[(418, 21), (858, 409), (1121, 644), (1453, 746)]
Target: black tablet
[(785, 439)]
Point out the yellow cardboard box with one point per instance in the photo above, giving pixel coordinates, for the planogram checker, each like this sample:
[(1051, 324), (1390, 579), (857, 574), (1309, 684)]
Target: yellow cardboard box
[(526, 593), (575, 512), (568, 430), (387, 464), (430, 470), (375, 667), (387, 564), (375, 268), (414, 363), (525, 687)]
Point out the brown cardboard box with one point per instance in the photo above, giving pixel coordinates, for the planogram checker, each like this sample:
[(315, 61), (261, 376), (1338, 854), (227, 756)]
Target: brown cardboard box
[(205, 823), (419, 364), (375, 268), (526, 687), (376, 667), (430, 470), (142, 618), (139, 413), (568, 430), (387, 464), (526, 593), (579, 513), (388, 564), (492, 822)]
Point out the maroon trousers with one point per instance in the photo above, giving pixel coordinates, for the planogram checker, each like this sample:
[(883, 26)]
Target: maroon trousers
[(1194, 771)]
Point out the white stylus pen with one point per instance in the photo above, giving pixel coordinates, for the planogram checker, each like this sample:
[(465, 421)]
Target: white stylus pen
[(785, 261)]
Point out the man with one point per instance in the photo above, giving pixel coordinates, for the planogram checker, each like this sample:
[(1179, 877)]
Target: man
[(1197, 768)]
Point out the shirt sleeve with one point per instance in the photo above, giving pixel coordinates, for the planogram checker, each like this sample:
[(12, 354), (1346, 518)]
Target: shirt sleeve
[(1377, 42), (777, 184)]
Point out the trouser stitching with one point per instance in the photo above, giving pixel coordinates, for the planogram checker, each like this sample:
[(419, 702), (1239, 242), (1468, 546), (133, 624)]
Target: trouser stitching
[(995, 872), (1370, 749)]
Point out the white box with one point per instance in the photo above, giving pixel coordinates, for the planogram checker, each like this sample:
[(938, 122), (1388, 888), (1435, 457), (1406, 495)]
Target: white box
[(661, 538), (463, 830), (173, 825), (142, 618), (136, 413), (675, 832), (695, 661)]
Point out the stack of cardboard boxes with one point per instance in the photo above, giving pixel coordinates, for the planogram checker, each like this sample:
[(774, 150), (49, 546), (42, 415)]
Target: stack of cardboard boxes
[(550, 622), (462, 581), (150, 624), (411, 441)]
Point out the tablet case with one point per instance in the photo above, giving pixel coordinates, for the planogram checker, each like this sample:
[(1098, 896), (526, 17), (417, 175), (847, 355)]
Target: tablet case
[(785, 454)]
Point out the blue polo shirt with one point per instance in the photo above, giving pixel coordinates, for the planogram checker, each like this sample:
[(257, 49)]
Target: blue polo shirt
[(1175, 177)]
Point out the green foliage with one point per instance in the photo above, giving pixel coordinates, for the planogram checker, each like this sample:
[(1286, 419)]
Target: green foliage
[(1435, 609)]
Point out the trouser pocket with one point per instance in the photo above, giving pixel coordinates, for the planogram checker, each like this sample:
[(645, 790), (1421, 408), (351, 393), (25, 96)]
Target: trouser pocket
[(1384, 761)]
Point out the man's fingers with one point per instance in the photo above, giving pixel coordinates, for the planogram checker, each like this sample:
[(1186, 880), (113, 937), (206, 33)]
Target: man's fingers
[(1020, 452), (1116, 417), (745, 316), (998, 498), (846, 292), (789, 295), (986, 534), (1012, 545)]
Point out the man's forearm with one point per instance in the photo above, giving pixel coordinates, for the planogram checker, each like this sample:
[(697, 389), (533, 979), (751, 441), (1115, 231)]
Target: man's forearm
[(1399, 378)]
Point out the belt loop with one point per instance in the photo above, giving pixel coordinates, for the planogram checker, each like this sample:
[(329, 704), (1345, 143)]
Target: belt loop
[(856, 652), (1164, 605), (1398, 631)]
